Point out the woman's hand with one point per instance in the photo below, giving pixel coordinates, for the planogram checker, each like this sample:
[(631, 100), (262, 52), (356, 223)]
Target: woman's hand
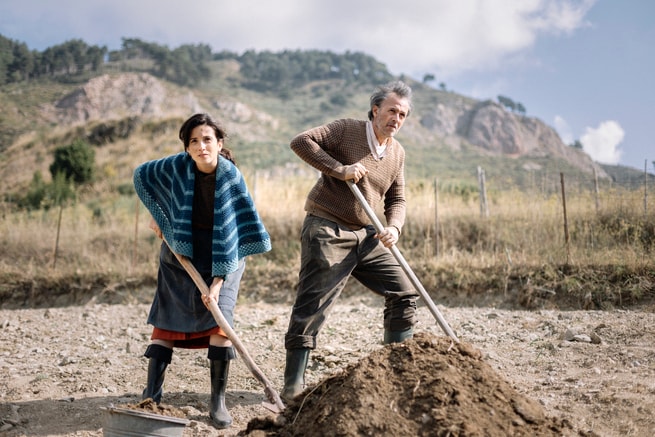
[(214, 292), (155, 227)]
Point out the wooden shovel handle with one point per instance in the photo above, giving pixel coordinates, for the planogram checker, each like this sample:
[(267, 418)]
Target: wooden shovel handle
[(270, 392), (403, 263)]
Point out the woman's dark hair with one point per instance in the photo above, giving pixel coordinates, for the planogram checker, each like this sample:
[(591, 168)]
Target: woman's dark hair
[(399, 88), (200, 120)]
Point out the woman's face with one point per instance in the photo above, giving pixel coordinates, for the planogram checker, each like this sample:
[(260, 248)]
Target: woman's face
[(204, 148)]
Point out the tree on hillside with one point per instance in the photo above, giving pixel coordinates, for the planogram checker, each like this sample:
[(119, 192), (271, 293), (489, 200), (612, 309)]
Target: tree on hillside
[(134, 48), (41, 195), (33, 197), (520, 108), (5, 57), (185, 65), (268, 70), (225, 54), (576, 145), (22, 65), (73, 165), (75, 161), (70, 58), (511, 105), (16, 61), (507, 102)]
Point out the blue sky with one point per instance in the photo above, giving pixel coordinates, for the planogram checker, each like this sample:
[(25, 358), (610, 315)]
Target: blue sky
[(581, 66)]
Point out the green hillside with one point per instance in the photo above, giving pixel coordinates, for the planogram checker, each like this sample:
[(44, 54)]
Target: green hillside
[(298, 89)]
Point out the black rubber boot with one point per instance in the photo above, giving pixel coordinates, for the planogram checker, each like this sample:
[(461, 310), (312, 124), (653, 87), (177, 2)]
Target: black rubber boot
[(294, 373), (397, 336), (219, 365), (159, 358)]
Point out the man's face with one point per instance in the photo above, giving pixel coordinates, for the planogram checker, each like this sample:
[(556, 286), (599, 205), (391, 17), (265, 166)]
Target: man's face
[(389, 117)]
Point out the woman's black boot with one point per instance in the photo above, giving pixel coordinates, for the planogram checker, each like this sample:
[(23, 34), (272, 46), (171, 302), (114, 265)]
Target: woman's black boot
[(159, 358), (219, 365)]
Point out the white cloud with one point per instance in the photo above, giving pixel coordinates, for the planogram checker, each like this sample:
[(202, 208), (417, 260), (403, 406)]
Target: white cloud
[(563, 129), (414, 37), (561, 16), (602, 143)]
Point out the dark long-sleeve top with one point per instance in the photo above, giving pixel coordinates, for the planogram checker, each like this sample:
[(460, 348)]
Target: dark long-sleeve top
[(330, 149)]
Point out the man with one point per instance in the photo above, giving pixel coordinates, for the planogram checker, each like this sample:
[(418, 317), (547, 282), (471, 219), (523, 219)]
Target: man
[(337, 238)]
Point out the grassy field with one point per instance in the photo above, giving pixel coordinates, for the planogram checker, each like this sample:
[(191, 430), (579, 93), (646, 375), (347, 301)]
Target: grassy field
[(519, 251)]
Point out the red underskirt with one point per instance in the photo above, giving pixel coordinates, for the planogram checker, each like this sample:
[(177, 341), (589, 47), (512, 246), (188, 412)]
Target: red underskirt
[(187, 340)]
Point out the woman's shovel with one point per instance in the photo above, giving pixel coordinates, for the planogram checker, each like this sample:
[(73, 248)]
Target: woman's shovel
[(401, 260), (275, 404)]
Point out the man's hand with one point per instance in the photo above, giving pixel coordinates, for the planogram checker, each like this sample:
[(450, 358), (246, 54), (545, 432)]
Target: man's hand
[(388, 236), (355, 172)]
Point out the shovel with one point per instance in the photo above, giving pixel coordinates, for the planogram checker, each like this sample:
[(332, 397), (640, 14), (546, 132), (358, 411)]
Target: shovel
[(275, 404), (401, 260)]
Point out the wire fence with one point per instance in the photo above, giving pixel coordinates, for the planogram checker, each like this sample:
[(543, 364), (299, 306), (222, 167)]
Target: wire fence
[(553, 217), (630, 191)]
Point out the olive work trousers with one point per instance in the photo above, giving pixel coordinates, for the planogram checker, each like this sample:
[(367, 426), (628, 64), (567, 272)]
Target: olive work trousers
[(330, 254)]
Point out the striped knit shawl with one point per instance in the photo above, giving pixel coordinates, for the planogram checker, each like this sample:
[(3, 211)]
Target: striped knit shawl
[(165, 186)]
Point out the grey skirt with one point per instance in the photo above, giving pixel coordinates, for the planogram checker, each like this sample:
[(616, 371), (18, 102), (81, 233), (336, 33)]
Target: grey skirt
[(177, 305)]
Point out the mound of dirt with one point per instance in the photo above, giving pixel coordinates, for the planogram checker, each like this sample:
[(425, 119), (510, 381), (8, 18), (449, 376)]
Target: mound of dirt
[(150, 406), (427, 386)]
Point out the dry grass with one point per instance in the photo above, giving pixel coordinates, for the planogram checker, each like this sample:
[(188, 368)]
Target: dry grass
[(106, 244)]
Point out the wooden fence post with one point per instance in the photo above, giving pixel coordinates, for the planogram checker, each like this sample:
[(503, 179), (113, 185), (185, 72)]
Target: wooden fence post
[(484, 208), (436, 217), (596, 191), (56, 251), (645, 189), (566, 222)]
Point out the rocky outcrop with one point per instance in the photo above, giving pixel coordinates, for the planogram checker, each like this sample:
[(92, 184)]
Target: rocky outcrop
[(138, 96), (109, 97), (490, 127)]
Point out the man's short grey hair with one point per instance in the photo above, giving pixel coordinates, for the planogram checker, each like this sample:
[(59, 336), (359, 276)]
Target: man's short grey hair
[(399, 88)]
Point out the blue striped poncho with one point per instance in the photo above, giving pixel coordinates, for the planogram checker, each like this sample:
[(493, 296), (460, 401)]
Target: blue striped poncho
[(165, 186)]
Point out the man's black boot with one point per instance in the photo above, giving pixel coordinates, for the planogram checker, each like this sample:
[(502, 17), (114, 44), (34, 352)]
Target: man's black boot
[(219, 365), (397, 336), (294, 372), (159, 358)]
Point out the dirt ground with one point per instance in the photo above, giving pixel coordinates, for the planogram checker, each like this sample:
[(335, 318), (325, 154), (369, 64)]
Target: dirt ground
[(515, 372)]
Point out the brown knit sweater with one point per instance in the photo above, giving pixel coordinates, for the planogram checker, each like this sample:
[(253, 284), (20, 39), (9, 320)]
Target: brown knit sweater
[(332, 147)]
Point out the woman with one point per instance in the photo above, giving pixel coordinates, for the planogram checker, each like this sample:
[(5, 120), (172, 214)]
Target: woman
[(201, 207)]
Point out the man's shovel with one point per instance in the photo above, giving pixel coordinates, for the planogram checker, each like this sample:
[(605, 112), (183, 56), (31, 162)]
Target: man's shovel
[(401, 260), (275, 404)]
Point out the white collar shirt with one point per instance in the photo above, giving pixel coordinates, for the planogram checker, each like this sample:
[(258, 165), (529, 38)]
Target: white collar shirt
[(377, 150)]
